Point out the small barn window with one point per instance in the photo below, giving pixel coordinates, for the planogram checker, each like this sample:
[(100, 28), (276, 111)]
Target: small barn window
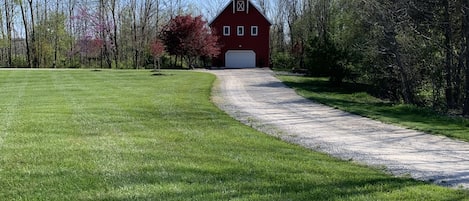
[(254, 31), (226, 30), (240, 31), (240, 5)]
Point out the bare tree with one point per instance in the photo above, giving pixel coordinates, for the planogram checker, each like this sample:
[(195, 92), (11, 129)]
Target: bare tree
[(278, 14), (35, 59), (56, 35), (322, 9), (389, 16), (133, 10), (26, 31), (147, 10), (8, 6), (114, 34), (212, 8), (448, 48), (105, 30), (71, 12)]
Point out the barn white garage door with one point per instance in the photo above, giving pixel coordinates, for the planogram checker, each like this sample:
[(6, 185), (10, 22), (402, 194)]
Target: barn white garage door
[(240, 59)]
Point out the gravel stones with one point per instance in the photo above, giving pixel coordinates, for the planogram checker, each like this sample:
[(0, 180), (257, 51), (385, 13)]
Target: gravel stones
[(258, 99)]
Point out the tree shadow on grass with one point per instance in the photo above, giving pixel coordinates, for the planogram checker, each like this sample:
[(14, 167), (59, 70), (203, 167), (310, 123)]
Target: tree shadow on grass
[(186, 182), (158, 74), (345, 98), (321, 85)]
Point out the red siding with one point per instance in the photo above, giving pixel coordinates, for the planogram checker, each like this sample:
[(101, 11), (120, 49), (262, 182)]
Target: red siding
[(259, 44)]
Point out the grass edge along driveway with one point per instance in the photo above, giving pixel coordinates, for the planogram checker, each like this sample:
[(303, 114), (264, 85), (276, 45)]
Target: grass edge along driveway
[(128, 135), (355, 99)]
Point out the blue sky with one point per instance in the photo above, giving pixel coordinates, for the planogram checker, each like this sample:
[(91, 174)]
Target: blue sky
[(209, 8)]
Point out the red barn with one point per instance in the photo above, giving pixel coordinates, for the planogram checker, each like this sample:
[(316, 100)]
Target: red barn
[(244, 33)]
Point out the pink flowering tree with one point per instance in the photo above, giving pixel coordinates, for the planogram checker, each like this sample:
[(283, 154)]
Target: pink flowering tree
[(157, 50), (95, 38)]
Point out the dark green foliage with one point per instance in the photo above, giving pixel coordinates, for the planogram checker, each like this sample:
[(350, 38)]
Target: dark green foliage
[(321, 56), (283, 60), (412, 52), (383, 78), (19, 62), (326, 58)]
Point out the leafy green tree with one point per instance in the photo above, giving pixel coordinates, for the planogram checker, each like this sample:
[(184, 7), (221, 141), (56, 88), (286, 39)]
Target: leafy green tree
[(52, 40)]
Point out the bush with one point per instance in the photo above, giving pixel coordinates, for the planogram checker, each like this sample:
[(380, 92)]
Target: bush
[(283, 60), (320, 57), (19, 62), (325, 58), (74, 63)]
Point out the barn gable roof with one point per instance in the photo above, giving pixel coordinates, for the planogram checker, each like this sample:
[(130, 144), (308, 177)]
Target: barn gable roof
[(249, 4)]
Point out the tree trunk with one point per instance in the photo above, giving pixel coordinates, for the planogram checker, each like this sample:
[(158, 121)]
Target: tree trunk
[(133, 7), (393, 45), (292, 18), (323, 19), (154, 64), (35, 60), (26, 33), (465, 9), (116, 45), (105, 32), (56, 35), (458, 78), (71, 11), (9, 26), (449, 91), (391, 16)]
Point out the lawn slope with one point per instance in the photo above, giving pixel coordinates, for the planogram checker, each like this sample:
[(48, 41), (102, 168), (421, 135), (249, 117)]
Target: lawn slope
[(129, 135)]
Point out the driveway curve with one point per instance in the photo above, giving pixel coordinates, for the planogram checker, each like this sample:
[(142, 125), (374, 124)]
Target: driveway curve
[(258, 99)]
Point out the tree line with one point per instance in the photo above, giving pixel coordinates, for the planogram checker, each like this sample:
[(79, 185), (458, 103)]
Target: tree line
[(409, 51), (83, 33)]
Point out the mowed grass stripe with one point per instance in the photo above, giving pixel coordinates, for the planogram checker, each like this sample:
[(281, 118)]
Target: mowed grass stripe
[(12, 91), (91, 131), (128, 135), (104, 126), (41, 155)]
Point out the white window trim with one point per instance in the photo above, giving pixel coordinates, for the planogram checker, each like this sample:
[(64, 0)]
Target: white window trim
[(254, 30), (240, 31), (226, 30)]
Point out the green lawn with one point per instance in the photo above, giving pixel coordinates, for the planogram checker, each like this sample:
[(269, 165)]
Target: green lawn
[(128, 135), (354, 98)]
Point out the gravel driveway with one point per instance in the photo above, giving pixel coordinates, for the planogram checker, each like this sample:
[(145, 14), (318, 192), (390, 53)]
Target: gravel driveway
[(257, 98)]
